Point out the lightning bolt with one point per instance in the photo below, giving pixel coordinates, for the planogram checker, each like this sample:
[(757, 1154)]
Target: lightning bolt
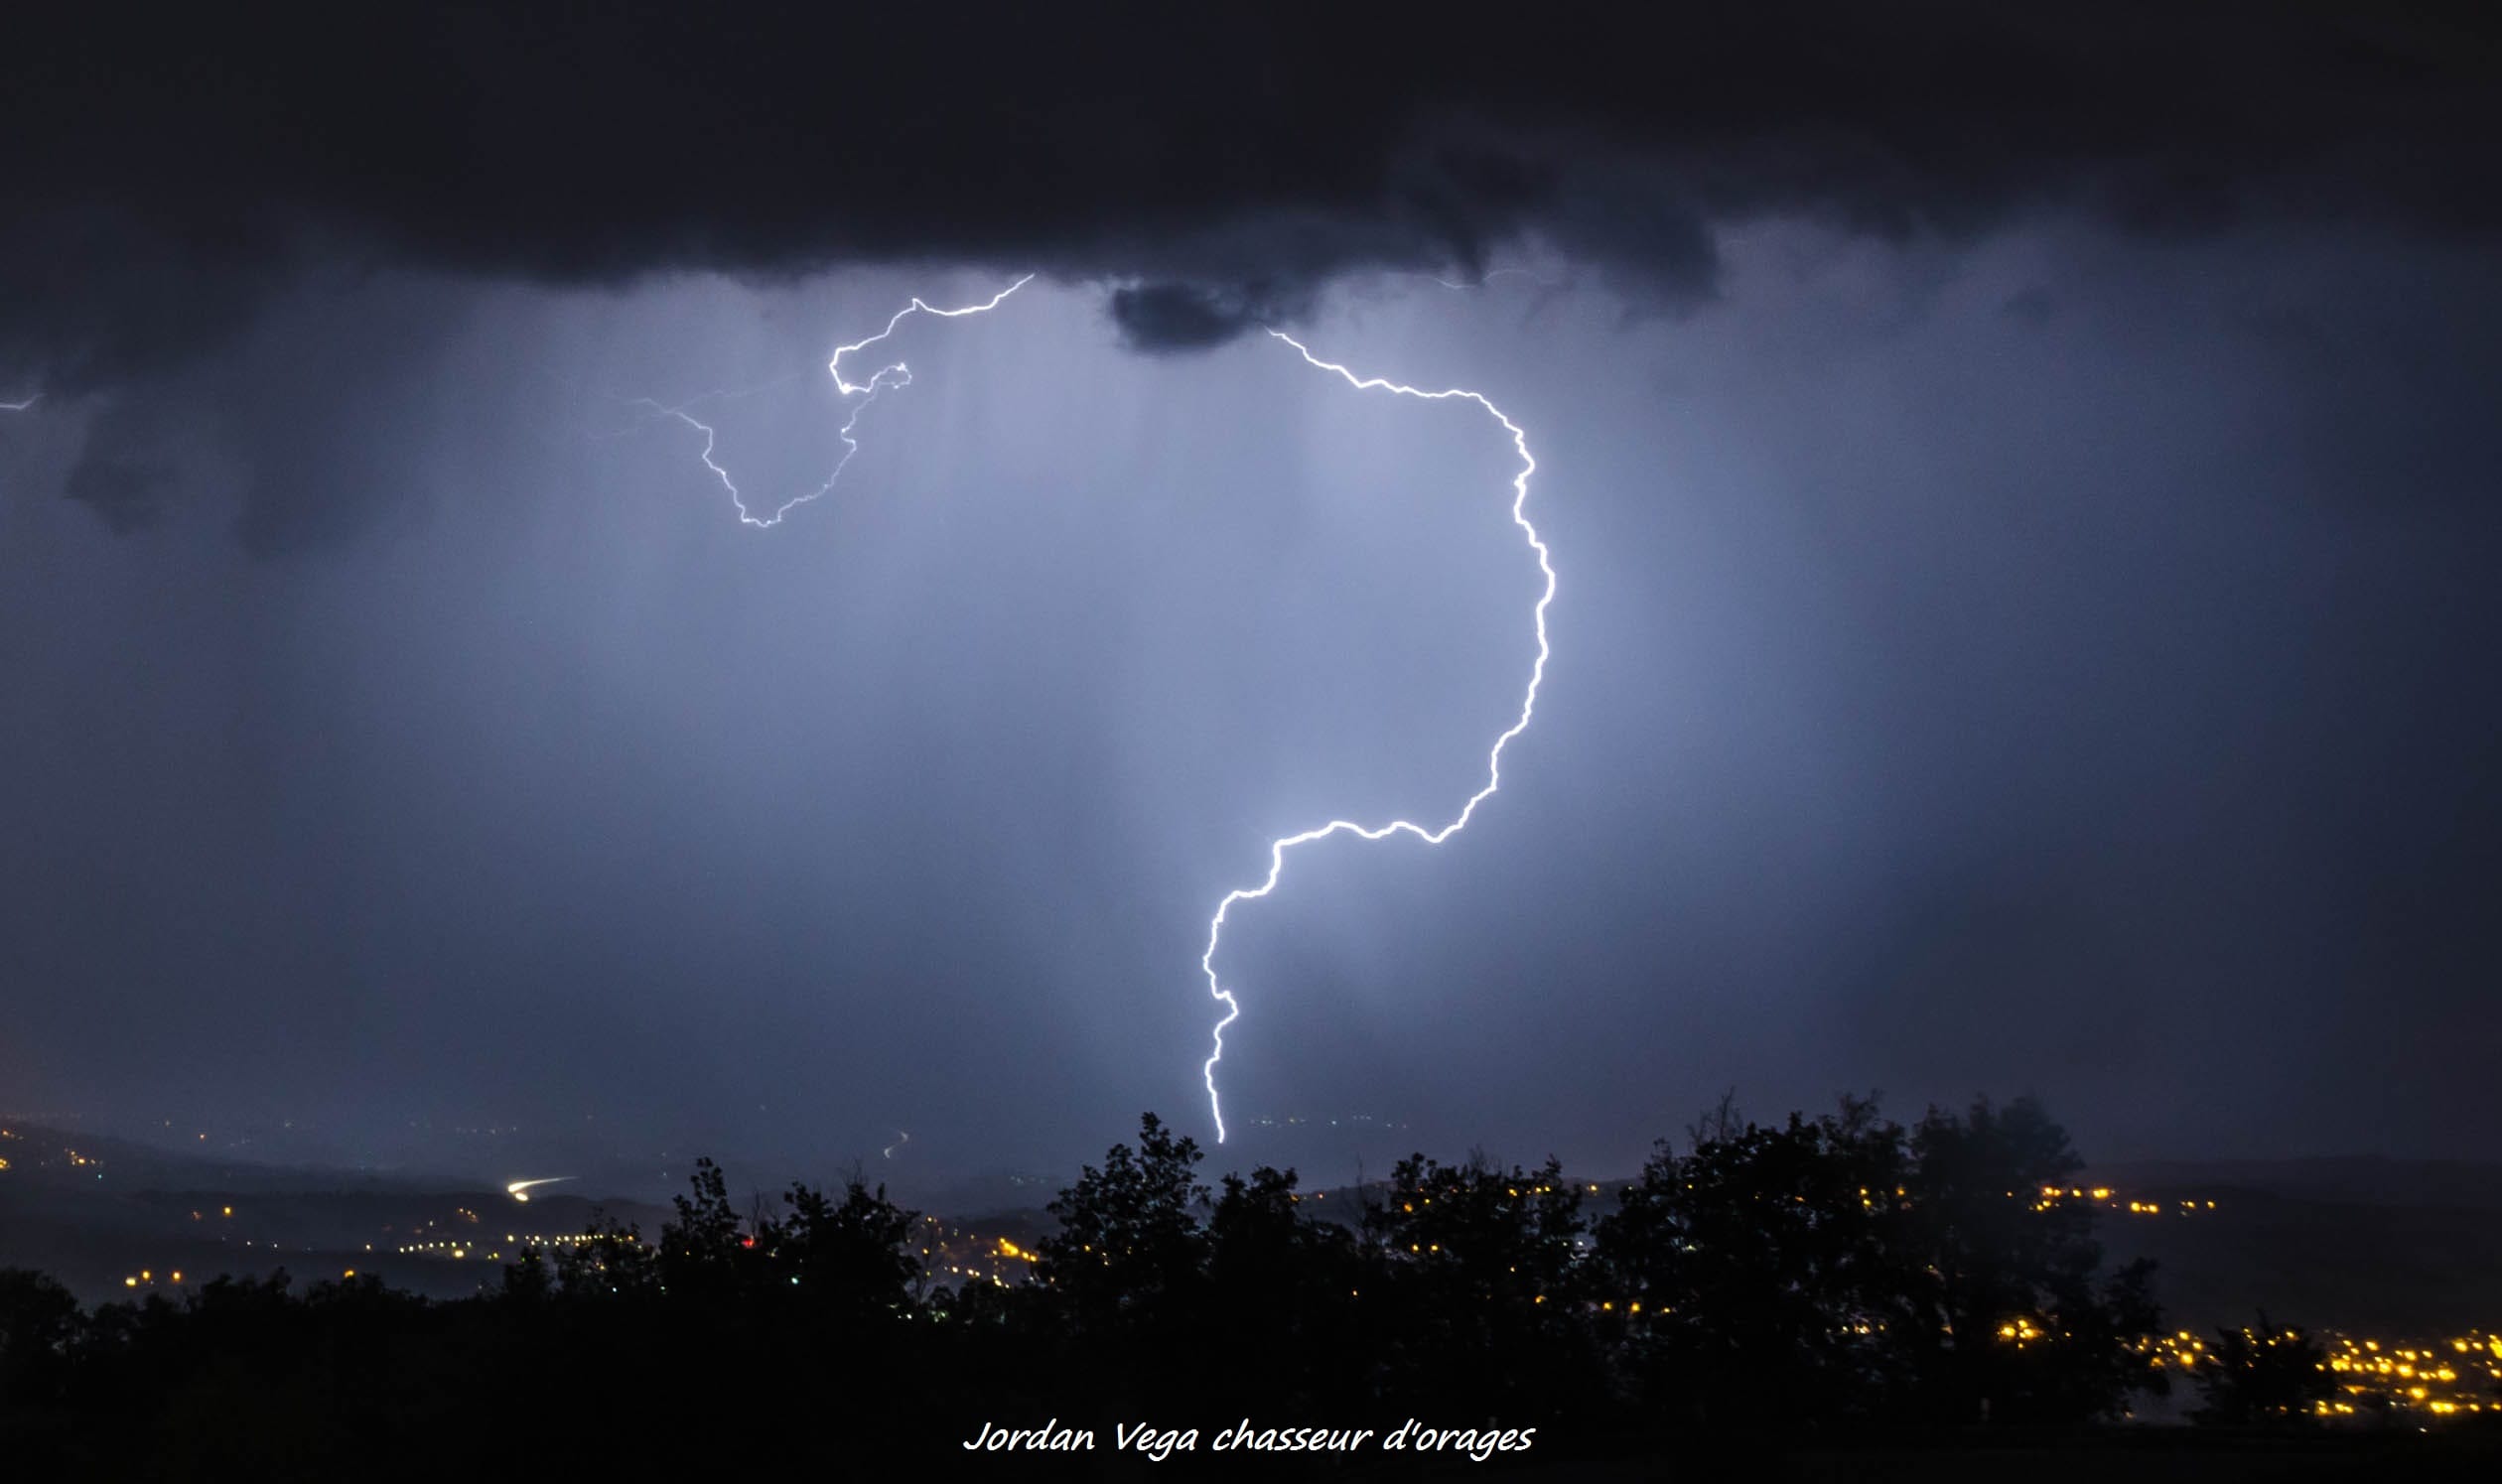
[(520, 1189), (21, 406), (897, 374), (1494, 761)]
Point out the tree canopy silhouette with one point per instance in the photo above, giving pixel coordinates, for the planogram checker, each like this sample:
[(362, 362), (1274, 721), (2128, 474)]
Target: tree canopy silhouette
[(1816, 1277)]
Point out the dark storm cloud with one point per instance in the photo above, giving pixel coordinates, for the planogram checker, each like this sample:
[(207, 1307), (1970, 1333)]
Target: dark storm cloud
[(173, 170), (168, 168), (1192, 317)]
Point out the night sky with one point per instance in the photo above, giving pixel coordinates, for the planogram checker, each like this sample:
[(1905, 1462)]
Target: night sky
[(2021, 481)]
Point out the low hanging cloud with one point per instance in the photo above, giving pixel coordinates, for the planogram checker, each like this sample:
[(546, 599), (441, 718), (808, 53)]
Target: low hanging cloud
[(1223, 167), (189, 159)]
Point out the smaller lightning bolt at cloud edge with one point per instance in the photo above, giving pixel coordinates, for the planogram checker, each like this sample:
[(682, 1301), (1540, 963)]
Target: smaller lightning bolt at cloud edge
[(897, 374), (1494, 758), (21, 406)]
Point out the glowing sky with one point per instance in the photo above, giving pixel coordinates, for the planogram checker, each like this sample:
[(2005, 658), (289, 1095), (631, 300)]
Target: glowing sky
[(2026, 620)]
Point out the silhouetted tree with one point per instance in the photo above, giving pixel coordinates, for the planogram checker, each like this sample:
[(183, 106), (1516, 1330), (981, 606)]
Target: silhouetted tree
[(39, 1322), (1129, 1234), (1477, 1268), (1284, 1291), (847, 1256), (1126, 1270), (1761, 1279), (2013, 1323), (610, 1262), (707, 1248), (2269, 1375)]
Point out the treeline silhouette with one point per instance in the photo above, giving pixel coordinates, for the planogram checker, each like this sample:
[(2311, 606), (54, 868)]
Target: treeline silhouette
[(1822, 1277)]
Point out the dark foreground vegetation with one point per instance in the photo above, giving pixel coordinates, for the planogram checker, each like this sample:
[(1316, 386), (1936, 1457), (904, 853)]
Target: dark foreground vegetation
[(1820, 1289)]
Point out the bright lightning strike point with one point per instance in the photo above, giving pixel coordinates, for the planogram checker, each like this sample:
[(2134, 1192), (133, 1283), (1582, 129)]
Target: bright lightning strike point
[(1494, 761), (520, 1189), (897, 374)]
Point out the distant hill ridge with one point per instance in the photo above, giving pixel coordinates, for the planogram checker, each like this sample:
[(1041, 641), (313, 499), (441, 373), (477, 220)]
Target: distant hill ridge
[(2350, 1179)]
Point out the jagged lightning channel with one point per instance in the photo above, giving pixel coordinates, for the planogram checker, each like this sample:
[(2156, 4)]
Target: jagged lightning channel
[(897, 374), (1494, 761), (21, 406)]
